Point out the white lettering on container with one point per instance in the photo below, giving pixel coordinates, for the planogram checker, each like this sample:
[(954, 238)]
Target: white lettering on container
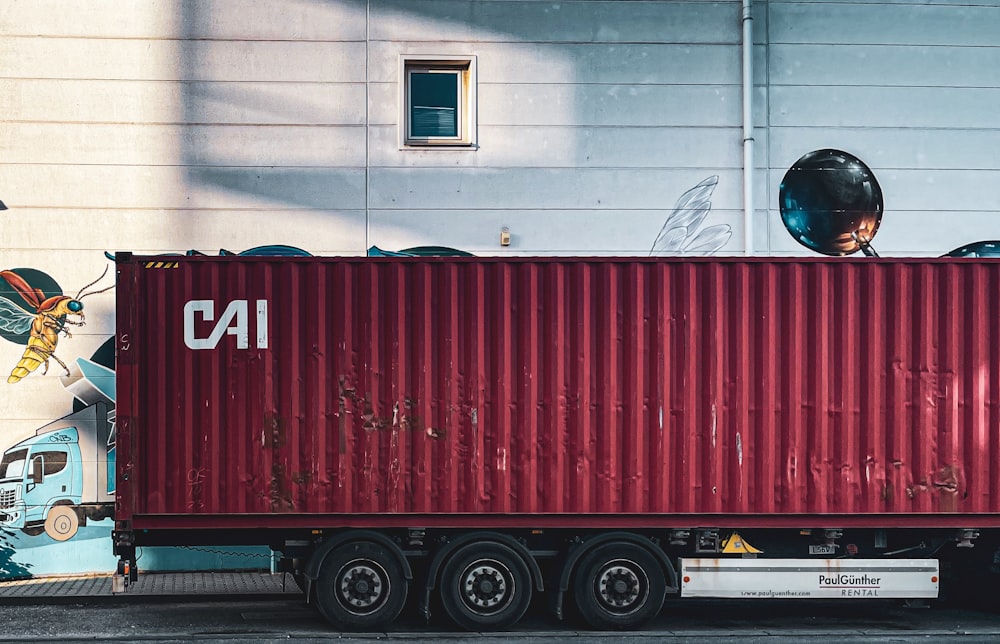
[(233, 321)]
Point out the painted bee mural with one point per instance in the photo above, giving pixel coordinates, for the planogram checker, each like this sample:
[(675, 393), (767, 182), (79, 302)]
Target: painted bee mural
[(40, 324)]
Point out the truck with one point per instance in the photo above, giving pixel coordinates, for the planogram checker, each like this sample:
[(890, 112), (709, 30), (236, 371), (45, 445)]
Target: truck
[(473, 435), (56, 480)]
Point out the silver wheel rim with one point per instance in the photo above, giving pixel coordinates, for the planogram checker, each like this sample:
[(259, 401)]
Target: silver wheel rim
[(621, 587), (362, 586), (487, 586)]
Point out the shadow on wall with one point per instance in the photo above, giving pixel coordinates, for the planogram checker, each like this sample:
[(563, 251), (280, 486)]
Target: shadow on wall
[(273, 97)]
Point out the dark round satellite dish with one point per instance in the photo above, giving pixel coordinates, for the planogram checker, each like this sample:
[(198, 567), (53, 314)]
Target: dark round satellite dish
[(831, 203)]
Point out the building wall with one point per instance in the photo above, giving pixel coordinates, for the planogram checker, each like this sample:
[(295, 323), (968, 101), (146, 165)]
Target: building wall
[(177, 125), (909, 87)]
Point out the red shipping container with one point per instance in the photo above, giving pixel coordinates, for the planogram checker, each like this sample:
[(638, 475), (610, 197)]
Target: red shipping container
[(322, 392)]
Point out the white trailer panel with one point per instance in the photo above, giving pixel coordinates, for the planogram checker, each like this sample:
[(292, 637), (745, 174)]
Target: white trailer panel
[(810, 578)]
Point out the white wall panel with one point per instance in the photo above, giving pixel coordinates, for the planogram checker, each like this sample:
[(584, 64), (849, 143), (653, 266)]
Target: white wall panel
[(885, 65), (92, 232), (898, 107), (142, 144), (97, 101), (586, 105), (178, 187), (206, 60), (230, 19), (543, 188), (573, 146), (536, 232), (880, 148), (561, 63), (868, 23), (533, 21)]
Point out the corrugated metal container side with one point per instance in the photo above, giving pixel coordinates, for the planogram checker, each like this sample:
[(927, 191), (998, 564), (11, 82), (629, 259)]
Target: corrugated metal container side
[(571, 387)]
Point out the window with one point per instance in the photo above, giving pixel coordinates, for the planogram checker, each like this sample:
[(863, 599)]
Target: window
[(12, 465), (54, 462), (438, 102)]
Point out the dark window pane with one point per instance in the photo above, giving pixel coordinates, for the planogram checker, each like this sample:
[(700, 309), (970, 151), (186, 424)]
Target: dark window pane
[(433, 104), (55, 462)]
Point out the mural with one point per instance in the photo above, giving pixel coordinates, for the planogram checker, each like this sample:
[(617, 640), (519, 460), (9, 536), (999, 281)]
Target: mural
[(680, 234), (831, 203), (61, 475), (37, 317)]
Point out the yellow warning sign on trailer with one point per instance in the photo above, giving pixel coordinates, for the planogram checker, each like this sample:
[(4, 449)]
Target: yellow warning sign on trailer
[(736, 545)]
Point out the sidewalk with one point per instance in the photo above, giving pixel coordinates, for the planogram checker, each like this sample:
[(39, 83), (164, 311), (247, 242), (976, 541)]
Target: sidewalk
[(175, 586)]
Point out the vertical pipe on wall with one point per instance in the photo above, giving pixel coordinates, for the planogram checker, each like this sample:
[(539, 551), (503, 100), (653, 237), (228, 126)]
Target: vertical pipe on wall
[(368, 163), (748, 127)]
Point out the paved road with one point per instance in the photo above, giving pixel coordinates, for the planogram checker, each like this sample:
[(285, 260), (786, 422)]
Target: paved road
[(283, 619)]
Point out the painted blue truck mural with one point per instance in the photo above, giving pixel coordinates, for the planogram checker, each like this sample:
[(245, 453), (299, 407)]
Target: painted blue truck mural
[(63, 476)]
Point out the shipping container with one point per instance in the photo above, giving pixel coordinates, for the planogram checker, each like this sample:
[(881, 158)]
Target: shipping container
[(579, 426)]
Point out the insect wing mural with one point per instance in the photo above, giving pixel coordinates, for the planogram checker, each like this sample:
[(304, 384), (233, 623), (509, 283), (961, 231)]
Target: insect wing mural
[(680, 234)]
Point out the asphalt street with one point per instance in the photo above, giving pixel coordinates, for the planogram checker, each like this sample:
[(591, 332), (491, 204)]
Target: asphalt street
[(272, 618)]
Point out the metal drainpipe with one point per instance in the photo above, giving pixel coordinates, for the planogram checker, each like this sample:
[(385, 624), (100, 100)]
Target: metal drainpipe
[(748, 127)]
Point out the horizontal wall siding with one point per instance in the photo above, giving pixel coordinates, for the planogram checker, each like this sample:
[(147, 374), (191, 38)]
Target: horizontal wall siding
[(694, 21), (581, 105), (910, 88), (165, 102), (567, 387), (194, 188), (300, 19), (155, 144), (608, 231), (185, 125)]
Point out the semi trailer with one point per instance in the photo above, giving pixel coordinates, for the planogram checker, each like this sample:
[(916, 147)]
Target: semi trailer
[(467, 434)]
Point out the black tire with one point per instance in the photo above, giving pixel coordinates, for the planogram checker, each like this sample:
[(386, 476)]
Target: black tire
[(300, 582), (298, 576), (485, 587), (34, 530), (619, 586), (361, 586)]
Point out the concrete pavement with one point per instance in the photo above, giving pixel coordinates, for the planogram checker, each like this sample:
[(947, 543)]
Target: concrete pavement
[(174, 585)]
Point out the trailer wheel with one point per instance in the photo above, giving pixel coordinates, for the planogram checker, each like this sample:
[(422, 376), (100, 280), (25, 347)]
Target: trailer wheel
[(619, 586), (361, 586), (62, 523), (485, 586)]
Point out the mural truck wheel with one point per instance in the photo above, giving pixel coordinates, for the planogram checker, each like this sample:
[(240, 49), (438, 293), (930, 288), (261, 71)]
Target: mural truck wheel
[(62, 523)]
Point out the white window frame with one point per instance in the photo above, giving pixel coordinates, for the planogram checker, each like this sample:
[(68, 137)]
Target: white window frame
[(465, 66)]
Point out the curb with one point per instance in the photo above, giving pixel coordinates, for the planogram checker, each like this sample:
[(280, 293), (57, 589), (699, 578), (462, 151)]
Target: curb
[(184, 586)]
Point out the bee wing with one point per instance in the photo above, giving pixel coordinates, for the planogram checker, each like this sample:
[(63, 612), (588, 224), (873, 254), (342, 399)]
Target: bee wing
[(31, 295), (13, 318), (669, 241), (710, 240), (688, 213)]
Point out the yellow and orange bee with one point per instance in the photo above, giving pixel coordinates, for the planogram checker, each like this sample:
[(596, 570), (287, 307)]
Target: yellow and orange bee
[(50, 317)]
